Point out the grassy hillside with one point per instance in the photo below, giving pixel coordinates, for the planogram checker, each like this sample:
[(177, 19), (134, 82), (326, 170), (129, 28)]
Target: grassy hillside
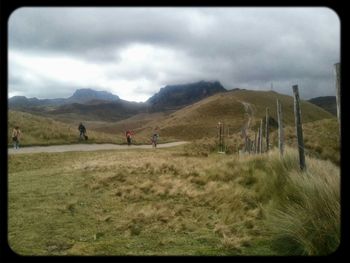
[(134, 123), (38, 130), (200, 119), (327, 103), (321, 139), (197, 121), (164, 202), (262, 99)]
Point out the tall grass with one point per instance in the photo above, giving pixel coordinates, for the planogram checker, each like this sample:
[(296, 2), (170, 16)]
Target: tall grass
[(303, 216), (301, 209), (321, 139), (164, 201)]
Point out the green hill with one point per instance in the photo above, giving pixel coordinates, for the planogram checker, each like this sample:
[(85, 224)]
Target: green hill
[(37, 130), (234, 108)]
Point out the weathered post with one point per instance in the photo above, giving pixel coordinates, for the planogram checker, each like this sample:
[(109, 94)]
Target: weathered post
[(255, 143), (258, 145), (299, 128), (280, 128), (221, 137), (337, 85), (261, 137), (249, 145), (267, 130)]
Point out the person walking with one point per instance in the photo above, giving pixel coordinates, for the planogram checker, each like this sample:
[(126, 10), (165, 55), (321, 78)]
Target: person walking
[(82, 130), (155, 137), (128, 135), (16, 135)]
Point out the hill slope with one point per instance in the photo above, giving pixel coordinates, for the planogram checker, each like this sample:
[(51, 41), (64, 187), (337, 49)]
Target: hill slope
[(236, 109), (37, 130), (98, 110), (327, 103)]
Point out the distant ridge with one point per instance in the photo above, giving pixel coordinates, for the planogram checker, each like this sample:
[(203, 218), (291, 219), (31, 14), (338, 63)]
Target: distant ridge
[(86, 95), (327, 103), (177, 96), (102, 105), (79, 96)]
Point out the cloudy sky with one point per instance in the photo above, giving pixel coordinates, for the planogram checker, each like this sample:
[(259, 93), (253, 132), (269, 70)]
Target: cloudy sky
[(133, 52)]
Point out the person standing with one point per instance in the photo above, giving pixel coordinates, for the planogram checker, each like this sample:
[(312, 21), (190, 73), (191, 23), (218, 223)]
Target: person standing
[(82, 130), (16, 134), (128, 135), (154, 139)]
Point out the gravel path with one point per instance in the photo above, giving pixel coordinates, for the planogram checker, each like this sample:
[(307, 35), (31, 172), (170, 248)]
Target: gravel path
[(86, 147)]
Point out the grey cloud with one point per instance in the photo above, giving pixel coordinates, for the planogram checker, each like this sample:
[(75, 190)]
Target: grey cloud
[(90, 32), (238, 46)]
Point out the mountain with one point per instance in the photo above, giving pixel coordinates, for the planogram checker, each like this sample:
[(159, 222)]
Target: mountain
[(193, 108), (89, 104), (20, 102), (177, 96), (86, 95), (327, 103), (79, 96)]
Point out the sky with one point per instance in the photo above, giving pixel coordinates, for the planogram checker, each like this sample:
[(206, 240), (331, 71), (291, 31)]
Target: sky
[(133, 52)]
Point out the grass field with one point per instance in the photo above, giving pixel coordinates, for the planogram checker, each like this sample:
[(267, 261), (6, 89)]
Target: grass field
[(172, 202)]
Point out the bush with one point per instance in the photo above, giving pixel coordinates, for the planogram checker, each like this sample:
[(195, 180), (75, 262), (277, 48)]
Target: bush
[(305, 219)]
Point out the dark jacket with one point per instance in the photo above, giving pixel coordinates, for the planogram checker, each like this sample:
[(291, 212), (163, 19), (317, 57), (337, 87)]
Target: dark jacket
[(82, 128)]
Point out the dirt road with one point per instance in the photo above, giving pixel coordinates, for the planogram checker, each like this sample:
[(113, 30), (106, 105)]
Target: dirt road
[(86, 147)]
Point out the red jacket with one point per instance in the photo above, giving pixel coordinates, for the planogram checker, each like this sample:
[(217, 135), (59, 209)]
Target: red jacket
[(128, 133)]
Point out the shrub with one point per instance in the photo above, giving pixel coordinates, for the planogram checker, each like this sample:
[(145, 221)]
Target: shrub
[(305, 219)]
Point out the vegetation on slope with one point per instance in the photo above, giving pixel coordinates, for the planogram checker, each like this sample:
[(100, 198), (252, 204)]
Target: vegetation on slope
[(163, 202), (321, 139), (37, 130), (200, 119), (196, 121)]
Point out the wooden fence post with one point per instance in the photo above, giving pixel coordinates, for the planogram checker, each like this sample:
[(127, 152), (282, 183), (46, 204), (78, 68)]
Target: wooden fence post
[(337, 86), (258, 145), (267, 130), (280, 128), (299, 128), (221, 137), (255, 142), (219, 129), (261, 136), (248, 145)]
